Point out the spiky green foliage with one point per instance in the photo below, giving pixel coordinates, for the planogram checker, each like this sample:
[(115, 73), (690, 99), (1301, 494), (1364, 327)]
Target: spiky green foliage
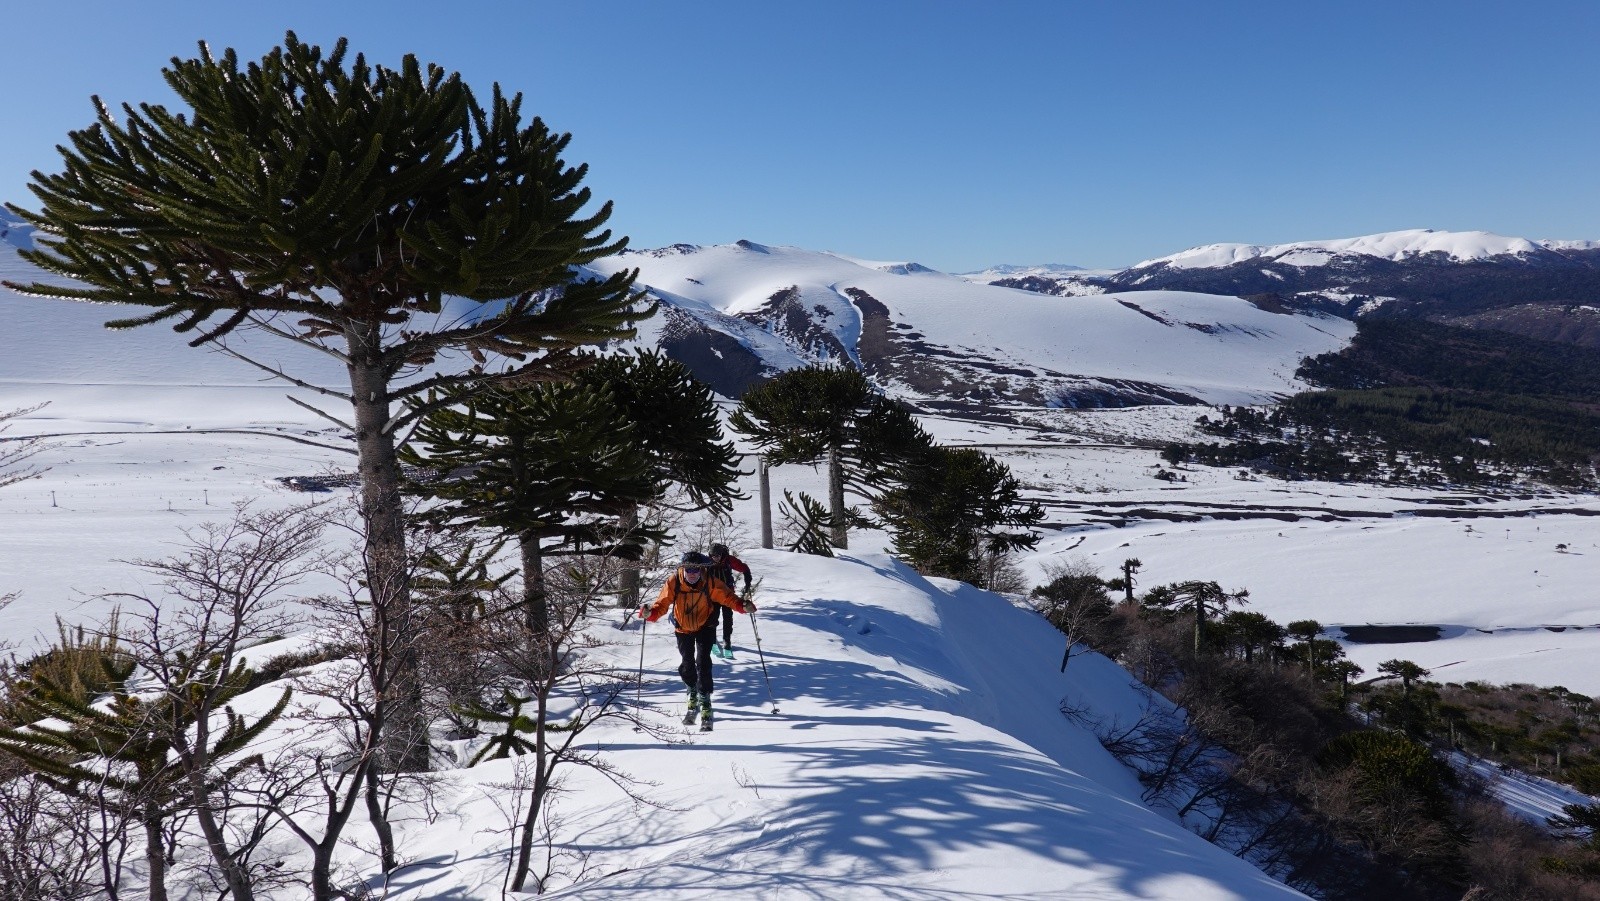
[(563, 467), (808, 522), (1404, 793), (675, 418), (515, 724), (954, 505), (323, 193), (1404, 670), (529, 461), (75, 741), (551, 466), (797, 416), (457, 582), (134, 745), (83, 664)]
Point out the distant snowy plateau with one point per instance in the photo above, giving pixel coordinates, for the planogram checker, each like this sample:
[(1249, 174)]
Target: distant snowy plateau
[(920, 752)]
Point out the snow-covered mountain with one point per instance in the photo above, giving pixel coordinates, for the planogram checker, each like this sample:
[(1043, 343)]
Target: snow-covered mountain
[(1046, 270), (738, 312), (14, 231), (1540, 288), (1459, 247)]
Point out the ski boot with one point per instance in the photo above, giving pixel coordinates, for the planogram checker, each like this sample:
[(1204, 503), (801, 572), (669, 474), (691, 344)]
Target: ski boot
[(705, 714), (694, 708)]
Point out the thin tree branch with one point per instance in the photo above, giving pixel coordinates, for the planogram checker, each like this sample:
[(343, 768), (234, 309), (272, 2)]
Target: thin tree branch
[(328, 416), (279, 373)]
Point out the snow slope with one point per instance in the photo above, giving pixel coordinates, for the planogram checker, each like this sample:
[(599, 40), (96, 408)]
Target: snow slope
[(918, 754)]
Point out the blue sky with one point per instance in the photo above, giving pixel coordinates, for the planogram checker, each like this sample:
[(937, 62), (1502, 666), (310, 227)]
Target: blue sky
[(955, 134)]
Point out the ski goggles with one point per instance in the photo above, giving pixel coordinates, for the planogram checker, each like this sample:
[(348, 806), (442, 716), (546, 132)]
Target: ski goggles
[(693, 570)]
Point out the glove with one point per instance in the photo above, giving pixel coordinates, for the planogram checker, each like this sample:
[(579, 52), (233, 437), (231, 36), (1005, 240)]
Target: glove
[(644, 613), (749, 605)]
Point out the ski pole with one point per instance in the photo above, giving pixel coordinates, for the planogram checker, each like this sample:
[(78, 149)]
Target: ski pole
[(638, 687), (757, 633)]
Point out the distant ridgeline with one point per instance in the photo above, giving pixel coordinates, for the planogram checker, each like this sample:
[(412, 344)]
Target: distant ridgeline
[(1421, 403)]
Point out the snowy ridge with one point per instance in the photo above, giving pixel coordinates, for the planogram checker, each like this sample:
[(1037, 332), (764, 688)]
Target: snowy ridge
[(919, 754), (1398, 245)]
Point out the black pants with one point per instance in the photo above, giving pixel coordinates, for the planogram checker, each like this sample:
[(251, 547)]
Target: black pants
[(727, 624), (695, 649)]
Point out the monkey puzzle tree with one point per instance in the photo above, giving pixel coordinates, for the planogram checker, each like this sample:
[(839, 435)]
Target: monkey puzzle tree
[(546, 465), (1203, 600), (381, 216), (954, 505), (675, 419), (564, 468), (830, 414)]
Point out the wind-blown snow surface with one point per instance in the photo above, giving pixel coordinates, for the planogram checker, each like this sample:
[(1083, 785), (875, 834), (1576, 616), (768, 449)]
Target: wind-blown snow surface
[(1218, 349), (1398, 245)]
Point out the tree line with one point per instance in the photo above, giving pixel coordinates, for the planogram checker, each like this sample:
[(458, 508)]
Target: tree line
[(1406, 436), (1416, 402), (1261, 738)]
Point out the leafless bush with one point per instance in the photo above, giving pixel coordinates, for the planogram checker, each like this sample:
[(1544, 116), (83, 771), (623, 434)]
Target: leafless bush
[(224, 593), (14, 452), (50, 843), (554, 688)]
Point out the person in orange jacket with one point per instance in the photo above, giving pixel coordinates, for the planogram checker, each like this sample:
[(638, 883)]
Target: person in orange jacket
[(695, 598)]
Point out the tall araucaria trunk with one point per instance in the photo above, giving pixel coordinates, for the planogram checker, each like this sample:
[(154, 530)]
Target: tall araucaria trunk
[(628, 578), (765, 481), (840, 537), (395, 622), (535, 600)]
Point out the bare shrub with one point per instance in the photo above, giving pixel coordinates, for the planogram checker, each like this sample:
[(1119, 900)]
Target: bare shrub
[(15, 452)]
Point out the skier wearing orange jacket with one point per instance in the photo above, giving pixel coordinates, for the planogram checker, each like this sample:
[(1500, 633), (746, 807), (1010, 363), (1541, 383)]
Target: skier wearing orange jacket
[(695, 598)]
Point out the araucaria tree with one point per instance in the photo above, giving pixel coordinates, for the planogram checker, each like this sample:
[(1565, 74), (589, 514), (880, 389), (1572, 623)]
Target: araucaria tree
[(384, 217), (675, 420), (1202, 600), (564, 468), (955, 507), (830, 414), (541, 465)]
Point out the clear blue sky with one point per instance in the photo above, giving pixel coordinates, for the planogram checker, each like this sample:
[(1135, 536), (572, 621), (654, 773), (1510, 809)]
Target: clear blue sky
[(956, 134)]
